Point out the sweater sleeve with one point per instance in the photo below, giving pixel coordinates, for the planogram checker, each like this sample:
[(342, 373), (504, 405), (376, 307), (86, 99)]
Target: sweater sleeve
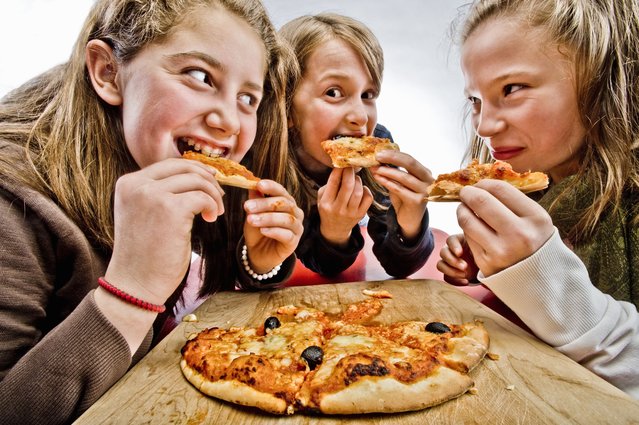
[(399, 258), (67, 371), (552, 294), (321, 257), (57, 356)]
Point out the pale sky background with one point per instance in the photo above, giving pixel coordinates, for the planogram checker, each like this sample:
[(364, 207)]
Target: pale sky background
[(421, 101)]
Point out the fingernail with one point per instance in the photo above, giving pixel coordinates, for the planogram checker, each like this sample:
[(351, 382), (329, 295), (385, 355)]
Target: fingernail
[(250, 205)]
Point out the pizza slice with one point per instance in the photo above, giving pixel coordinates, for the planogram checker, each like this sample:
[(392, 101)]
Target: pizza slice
[(447, 186), (356, 151), (229, 172)]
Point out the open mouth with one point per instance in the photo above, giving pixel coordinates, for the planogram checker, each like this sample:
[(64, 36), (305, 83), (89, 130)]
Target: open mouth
[(185, 144), (339, 136)]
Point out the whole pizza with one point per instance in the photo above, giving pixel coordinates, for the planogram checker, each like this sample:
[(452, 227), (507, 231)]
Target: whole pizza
[(303, 359)]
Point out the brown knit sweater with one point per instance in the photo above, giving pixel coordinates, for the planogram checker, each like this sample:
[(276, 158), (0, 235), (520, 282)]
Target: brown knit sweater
[(612, 253), (58, 353)]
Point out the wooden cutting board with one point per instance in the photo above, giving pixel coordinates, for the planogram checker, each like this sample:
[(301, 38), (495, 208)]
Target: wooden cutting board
[(530, 383)]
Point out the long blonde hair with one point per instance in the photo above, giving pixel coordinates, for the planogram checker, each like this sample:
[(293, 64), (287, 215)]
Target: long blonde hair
[(603, 36), (74, 142), (305, 35)]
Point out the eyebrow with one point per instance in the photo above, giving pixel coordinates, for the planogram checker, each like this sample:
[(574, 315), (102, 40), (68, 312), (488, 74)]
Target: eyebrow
[(212, 62), (338, 75)]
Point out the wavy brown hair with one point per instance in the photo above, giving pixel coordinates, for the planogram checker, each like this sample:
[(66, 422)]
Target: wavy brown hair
[(74, 142), (305, 34), (603, 38)]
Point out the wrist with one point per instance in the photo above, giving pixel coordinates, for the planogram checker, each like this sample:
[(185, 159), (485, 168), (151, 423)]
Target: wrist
[(132, 322), (339, 241), (129, 298), (257, 276)]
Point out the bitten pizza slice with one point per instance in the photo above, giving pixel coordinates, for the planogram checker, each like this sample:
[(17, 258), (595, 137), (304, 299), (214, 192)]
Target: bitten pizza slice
[(229, 172), (356, 151), (447, 186)]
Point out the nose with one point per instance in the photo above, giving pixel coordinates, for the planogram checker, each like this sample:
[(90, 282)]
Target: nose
[(224, 117), (357, 115), (488, 121)]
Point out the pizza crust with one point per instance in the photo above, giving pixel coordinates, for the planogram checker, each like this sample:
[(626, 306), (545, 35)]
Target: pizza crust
[(387, 395), (235, 392)]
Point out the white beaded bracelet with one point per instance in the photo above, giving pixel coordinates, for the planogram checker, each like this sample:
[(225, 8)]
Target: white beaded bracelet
[(252, 273)]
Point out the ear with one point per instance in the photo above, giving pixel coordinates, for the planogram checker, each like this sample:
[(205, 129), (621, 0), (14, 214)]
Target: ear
[(103, 69)]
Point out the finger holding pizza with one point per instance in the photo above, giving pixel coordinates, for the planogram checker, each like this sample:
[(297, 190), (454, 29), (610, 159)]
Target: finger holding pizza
[(407, 183), (342, 203), (165, 195), (457, 262), (273, 226), (501, 225)]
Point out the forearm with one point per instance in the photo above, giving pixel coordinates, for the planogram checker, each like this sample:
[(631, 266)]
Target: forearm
[(399, 257), (67, 371), (319, 256), (552, 294)]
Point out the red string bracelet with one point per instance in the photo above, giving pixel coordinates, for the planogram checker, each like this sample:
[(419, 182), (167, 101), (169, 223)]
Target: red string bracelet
[(130, 298)]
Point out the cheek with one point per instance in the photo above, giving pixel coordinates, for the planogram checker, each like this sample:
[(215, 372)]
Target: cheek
[(246, 138)]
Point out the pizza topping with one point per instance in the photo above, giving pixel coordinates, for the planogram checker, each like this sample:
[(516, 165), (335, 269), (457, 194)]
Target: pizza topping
[(437, 328), (313, 356), (272, 323)]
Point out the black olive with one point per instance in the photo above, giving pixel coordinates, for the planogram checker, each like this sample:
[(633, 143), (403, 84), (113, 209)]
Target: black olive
[(313, 356), (272, 323), (437, 328)]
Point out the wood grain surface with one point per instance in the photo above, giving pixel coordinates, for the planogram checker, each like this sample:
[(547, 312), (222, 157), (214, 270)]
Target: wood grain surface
[(530, 383)]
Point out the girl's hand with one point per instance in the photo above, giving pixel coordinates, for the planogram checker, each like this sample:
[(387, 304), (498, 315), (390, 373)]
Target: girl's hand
[(342, 203), (153, 216), (457, 263), (407, 186), (273, 227), (502, 226)]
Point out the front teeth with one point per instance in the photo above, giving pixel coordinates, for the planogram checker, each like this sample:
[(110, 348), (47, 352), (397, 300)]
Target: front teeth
[(205, 149)]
